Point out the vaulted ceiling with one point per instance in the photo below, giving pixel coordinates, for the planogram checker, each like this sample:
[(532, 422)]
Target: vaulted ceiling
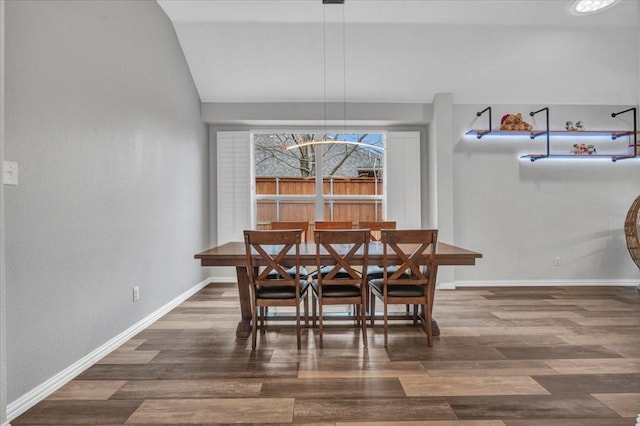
[(377, 50)]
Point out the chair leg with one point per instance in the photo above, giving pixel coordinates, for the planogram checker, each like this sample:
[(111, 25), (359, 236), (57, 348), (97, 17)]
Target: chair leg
[(306, 310), (386, 323), (372, 307), (415, 314), (254, 325), (313, 310), (427, 320), (363, 320), (367, 294), (298, 325), (320, 320)]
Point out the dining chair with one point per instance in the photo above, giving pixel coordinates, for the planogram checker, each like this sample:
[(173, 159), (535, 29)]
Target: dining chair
[(376, 226), (342, 284), (266, 252), (303, 226), (413, 281), (325, 224)]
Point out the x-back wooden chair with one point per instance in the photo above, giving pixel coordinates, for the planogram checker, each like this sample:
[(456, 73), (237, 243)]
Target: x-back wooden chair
[(413, 280), (376, 226), (303, 226), (341, 284), (341, 224), (266, 252)]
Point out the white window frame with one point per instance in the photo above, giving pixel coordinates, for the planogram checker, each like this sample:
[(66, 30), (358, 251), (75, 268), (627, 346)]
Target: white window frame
[(234, 171)]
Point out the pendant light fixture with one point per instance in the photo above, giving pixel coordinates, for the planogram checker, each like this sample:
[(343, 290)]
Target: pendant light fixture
[(588, 7)]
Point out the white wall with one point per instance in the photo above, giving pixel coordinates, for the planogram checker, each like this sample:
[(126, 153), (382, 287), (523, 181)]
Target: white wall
[(104, 121), (410, 63), (521, 215)]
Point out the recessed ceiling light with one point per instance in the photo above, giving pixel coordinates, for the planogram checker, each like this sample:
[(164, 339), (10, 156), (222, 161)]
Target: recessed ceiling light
[(587, 7)]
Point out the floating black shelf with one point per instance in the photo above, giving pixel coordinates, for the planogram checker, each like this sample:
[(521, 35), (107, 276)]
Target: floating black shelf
[(613, 134)]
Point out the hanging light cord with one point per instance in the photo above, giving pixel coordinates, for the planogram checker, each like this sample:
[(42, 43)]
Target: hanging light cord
[(344, 71), (324, 66)]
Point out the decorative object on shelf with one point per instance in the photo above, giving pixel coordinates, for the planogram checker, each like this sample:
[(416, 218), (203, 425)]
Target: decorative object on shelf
[(576, 149), (569, 126), (591, 149), (514, 122)]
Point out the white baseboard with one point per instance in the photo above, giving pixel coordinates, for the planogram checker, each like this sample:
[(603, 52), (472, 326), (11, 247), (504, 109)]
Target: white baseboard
[(31, 398), (537, 283), (446, 286)]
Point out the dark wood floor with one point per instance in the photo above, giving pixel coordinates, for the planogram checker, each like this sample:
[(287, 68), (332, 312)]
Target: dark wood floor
[(554, 356)]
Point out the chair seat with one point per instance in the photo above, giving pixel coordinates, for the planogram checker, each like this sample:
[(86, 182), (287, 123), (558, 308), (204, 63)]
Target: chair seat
[(337, 290), (280, 292), (398, 290)]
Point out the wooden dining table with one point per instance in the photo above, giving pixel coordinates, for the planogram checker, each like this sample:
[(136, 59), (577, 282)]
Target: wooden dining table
[(234, 254)]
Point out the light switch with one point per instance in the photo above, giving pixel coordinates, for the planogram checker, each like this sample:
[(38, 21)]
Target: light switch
[(10, 173)]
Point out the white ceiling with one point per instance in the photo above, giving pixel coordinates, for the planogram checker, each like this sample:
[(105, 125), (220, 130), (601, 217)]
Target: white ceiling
[(368, 50)]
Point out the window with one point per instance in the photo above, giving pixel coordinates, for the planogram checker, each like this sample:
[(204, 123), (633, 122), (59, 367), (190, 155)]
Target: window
[(307, 177)]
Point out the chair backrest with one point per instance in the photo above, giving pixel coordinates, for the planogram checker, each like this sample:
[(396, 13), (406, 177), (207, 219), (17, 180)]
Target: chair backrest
[(341, 245), (415, 248), (270, 248), (303, 226), (333, 225), (376, 226)]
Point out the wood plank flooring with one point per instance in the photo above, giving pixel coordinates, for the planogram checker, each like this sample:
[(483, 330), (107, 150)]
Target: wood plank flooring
[(506, 357)]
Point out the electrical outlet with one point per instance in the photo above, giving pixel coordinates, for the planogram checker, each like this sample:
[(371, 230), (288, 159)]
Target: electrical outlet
[(9, 172), (556, 261), (136, 293)]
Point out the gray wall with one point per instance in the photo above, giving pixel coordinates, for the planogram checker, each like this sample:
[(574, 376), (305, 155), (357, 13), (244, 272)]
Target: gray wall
[(104, 121)]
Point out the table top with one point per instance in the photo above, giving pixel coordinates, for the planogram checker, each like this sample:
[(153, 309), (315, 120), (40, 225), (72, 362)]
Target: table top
[(233, 254)]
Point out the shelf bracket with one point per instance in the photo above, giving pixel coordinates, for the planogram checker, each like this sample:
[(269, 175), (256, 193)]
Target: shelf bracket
[(481, 133), (536, 134), (635, 133)]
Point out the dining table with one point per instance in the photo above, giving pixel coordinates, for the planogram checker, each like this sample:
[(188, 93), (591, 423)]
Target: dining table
[(233, 254)]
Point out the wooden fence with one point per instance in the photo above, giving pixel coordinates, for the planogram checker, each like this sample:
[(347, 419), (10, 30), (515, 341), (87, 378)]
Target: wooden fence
[(303, 210)]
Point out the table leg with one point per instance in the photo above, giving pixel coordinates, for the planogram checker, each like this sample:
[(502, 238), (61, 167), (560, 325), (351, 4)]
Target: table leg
[(244, 326), (434, 325)]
